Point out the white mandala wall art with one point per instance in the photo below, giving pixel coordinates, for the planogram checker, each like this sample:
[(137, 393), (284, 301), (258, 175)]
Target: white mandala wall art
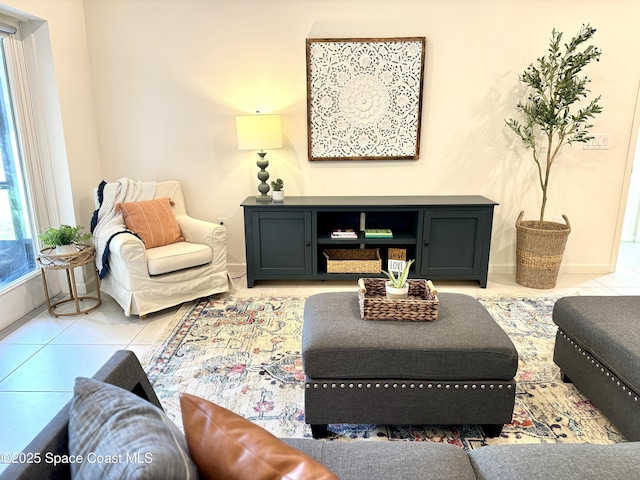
[(364, 98)]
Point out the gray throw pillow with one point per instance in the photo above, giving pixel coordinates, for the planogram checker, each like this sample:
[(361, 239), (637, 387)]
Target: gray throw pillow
[(113, 433)]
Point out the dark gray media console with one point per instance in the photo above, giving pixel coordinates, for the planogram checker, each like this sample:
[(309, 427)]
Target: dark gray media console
[(448, 235)]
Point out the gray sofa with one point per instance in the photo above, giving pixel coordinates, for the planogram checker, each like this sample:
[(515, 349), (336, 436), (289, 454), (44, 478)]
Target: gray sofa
[(372, 459), (598, 349)]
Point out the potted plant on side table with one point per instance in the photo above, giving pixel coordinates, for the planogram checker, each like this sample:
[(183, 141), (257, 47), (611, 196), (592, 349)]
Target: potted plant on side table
[(552, 120), (64, 239), (278, 192), (397, 287)]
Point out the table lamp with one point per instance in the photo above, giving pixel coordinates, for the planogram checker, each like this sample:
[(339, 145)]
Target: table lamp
[(260, 132)]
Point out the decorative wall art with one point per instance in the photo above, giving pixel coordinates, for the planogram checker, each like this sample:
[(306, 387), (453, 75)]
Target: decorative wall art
[(364, 98)]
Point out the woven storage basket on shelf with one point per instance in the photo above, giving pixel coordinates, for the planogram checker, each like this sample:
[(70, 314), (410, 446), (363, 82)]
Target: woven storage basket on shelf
[(421, 305), (539, 250), (353, 260)]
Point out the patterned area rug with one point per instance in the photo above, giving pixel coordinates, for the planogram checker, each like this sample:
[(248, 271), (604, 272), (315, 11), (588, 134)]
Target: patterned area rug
[(244, 354)]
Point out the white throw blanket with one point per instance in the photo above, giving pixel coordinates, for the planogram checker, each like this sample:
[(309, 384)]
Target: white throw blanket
[(109, 222)]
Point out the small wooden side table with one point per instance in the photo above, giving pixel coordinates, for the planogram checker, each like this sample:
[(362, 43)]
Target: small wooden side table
[(50, 260)]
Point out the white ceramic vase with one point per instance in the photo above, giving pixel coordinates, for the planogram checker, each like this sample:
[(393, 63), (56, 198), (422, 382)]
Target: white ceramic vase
[(278, 195), (394, 293), (66, 249)]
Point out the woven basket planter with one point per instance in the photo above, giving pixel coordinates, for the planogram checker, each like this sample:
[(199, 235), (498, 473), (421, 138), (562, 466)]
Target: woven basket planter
[(539, 250), (420, 306)]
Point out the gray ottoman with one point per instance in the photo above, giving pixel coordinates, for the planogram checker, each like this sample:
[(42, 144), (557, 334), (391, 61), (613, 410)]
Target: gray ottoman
[(598, 349), (456, 370)]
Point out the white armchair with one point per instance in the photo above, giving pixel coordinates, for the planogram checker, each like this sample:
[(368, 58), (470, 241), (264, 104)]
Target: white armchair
[(147, 280)]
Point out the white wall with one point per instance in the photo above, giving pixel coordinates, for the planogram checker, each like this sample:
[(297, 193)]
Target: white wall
[(168, 78)]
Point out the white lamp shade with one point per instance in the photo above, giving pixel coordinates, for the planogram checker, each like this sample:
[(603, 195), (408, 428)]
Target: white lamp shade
[(259, 132)]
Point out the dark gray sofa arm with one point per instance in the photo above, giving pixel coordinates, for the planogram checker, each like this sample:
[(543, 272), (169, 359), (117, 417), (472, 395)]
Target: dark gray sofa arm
[(122, 369)]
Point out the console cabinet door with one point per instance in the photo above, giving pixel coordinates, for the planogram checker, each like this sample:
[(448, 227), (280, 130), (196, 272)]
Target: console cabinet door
[(282, 243), (452, 243)]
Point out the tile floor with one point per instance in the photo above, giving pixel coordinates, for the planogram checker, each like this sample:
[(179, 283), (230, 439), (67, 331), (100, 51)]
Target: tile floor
[(40, 358)]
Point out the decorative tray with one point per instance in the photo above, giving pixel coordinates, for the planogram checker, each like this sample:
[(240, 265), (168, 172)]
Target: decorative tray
[(421, 305)]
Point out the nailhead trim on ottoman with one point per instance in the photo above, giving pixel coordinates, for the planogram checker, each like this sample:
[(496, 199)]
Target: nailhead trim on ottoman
[(597, 349), (458, 369)]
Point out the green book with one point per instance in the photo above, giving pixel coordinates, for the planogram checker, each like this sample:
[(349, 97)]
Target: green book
[(378, 233)]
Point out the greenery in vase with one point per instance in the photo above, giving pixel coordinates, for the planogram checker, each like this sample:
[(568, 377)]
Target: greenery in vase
[(277, 185), (551, 120), (400, 280), (65, 235)]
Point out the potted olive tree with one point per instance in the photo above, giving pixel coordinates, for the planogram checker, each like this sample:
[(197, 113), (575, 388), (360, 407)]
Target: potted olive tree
[(553, 115)]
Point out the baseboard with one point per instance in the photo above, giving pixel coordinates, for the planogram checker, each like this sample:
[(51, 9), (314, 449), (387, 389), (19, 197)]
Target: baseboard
[(240, 269), (575, 268), (236, 269)]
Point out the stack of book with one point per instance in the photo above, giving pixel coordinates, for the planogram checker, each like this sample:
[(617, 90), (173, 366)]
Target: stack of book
[(346, 233), (378, 233)]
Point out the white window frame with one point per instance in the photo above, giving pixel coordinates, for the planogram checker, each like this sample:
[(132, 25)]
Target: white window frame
[(27, 52)]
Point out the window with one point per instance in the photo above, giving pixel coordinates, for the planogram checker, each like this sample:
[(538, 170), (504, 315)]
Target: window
[(32, 157), (17, 243)]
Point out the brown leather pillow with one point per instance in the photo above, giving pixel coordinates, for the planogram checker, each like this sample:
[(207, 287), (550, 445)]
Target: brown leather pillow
[(152, 220), (225, 445)]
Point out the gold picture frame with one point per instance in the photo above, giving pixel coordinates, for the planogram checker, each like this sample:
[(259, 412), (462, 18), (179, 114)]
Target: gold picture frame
[(364, 98)]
